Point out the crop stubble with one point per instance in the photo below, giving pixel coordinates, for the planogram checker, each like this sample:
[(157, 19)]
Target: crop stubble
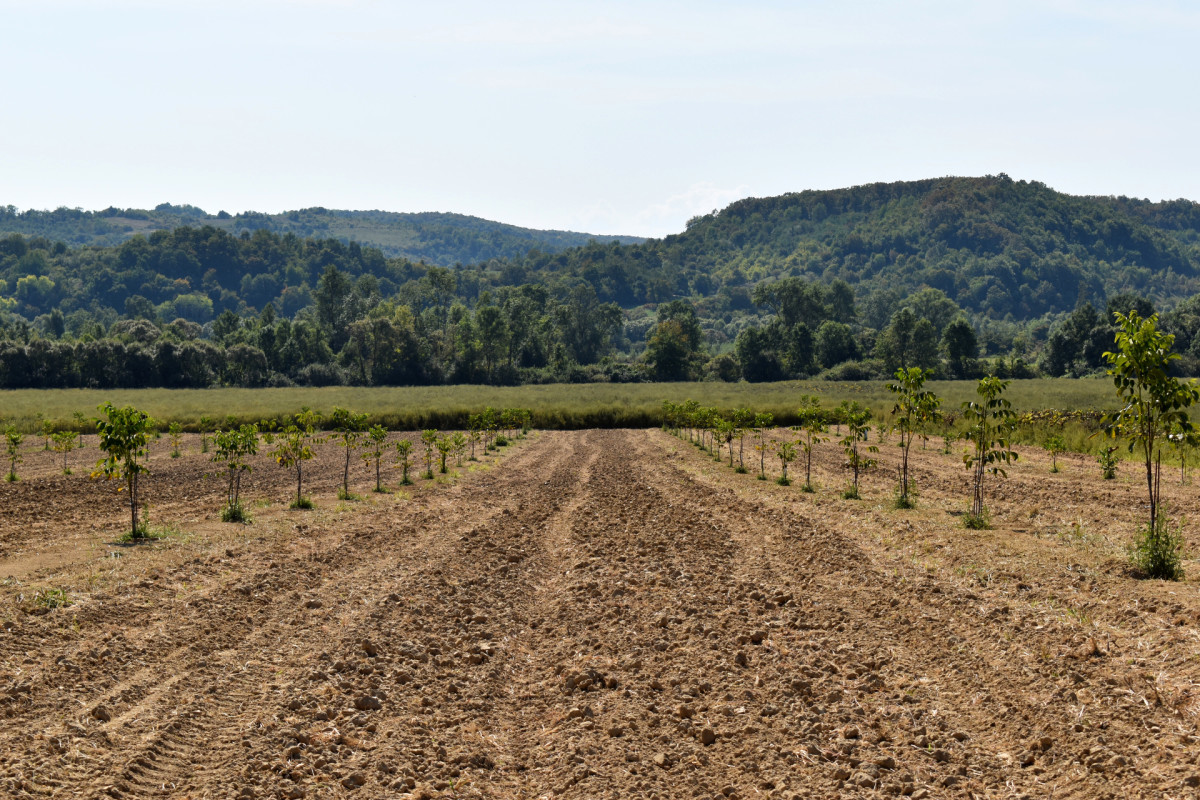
[(601, 613)]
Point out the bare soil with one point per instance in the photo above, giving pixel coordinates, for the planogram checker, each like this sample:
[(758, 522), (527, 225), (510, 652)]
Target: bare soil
[(593, 614)]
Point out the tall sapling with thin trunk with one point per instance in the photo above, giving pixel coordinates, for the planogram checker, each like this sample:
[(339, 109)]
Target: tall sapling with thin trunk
[(786, 451), (65, 442), (992, 422), (12, 451), (1154, 402), (234, 448), (429, 440), (293, 446), (762, 422), (404, 460), (812, 426), (124, 434), (915, 405), (854, 443), (348, 428), (376, 442)]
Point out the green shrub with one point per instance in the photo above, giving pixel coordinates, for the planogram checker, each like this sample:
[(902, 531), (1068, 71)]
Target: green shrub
[(235, 513), (1109, 460), (978, 522), (1158, 552)]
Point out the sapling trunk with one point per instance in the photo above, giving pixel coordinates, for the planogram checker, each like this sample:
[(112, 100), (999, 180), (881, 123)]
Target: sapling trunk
[(854, 466), (133, 505)]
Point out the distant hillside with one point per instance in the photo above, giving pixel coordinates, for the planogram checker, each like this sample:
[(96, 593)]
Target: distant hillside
[(995, 246), (436, 238), (961, 276)]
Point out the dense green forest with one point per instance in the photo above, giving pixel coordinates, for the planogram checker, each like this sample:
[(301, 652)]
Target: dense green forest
[(960, 275), (436, 238)]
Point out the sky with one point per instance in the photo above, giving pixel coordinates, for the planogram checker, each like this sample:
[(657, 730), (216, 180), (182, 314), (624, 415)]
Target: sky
[(605, 117)]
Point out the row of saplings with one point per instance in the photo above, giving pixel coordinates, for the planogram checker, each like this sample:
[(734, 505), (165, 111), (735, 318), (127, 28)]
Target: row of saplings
[(1152, 417), (125, 433)]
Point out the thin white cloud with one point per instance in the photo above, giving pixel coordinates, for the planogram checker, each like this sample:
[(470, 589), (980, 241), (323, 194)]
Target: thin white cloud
[(672, 214)]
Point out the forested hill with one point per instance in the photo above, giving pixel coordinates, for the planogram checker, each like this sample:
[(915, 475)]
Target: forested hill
[(435, 238), (995, 246), (961, 276)]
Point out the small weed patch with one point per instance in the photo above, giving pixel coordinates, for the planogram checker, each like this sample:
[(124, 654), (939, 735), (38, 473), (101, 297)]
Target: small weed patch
[(51, 598)]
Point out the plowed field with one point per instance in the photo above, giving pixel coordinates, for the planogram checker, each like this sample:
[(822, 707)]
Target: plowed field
[(593, 614)]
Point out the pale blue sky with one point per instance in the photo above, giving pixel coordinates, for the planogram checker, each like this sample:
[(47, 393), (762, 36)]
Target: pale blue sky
[(614, 117)]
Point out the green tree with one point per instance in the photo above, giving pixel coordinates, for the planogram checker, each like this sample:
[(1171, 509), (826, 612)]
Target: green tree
[(675, 345), (175, 432), (332, 300), (124, 434), (404, 460), (762, 422), (991, 422), (234, 447), (961, 347), (293, 446), (1184, 444), (796, 300), (376, 442), (429, 439), (348, 428), (895, 340), (488, 420), (811, 424), (206, 426), (65, 442), (854, 443), (474, 432), (12, 450), (1153, 402), (835, 344), (726, 432), (758, 354), (1108, 460), (742, 418), (914, 405), (80, 422), (1055, 445), (786, 452)]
